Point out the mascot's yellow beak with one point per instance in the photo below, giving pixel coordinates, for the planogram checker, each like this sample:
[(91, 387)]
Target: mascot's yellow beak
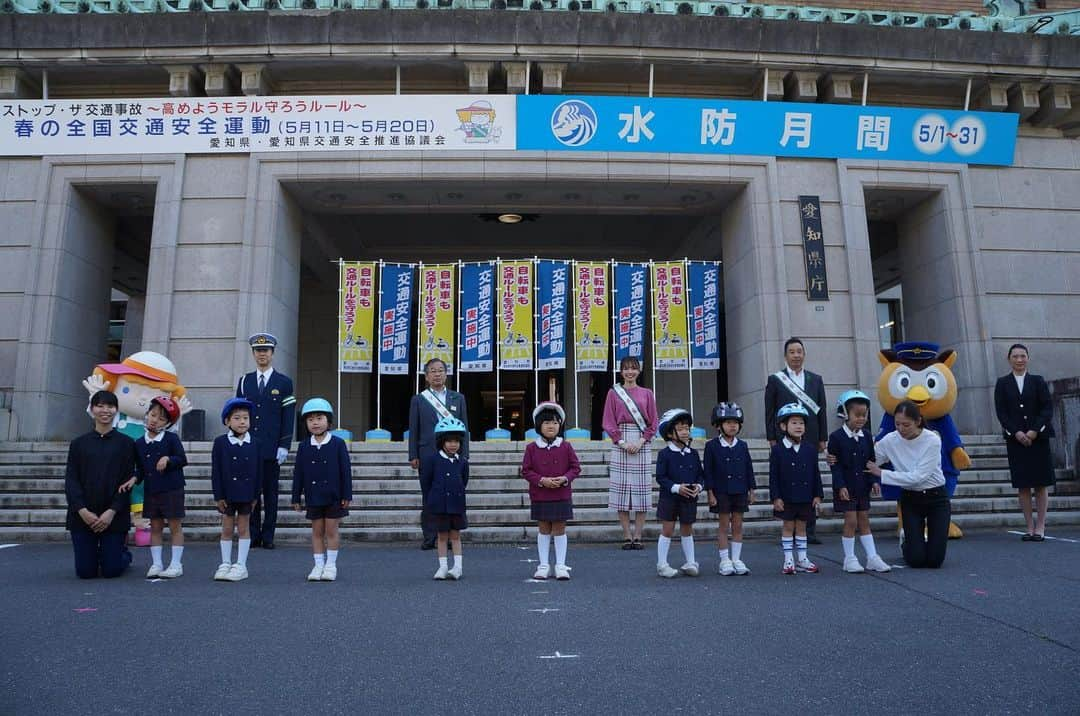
[(918, 395)]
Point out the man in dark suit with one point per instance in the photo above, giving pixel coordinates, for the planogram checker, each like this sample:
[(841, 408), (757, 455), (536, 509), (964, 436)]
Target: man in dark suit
[(272, 428), (795, 385), (425, 410)]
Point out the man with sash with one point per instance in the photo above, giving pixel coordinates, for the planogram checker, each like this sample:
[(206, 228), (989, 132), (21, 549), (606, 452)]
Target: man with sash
[(426, 409), (795, 385)]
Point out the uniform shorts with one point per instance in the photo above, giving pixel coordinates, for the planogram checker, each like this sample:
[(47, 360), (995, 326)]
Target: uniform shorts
[(445, 523), (671, 510), (167, 505), (731, 503), (795, 511), (233, 509), (327, 512), (861, 503)]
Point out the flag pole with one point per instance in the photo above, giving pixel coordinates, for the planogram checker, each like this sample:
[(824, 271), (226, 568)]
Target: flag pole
[(341, 316)]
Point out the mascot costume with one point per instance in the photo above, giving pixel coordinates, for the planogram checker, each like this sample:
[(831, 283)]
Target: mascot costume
[(922, 373), (137, 380)]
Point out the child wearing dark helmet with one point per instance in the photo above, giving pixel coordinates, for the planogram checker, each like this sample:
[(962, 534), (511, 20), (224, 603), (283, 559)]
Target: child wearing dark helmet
[(681, 478), (236, 472), (443, 478), (549, 466), (729, 477)]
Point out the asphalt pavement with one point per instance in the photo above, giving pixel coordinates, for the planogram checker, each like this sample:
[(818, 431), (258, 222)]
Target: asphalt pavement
[(997, 630)]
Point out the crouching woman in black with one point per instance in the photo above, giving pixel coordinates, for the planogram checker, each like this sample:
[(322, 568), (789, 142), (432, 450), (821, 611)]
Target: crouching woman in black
[(915, 456)]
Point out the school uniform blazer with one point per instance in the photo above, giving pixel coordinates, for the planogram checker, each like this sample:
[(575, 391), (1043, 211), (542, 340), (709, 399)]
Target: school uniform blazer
[(1030, 411), (794, 476), (235, 470), (776, 395), (323, 474), (146, 465), (729, 471), (851, 457), (272, 425), (540, 462), (678, 468), (443, 483), (422, 421)]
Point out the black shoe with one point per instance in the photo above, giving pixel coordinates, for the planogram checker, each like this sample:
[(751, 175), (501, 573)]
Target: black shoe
[(267, 545), (812, 539), (427, 544), (256, 542)]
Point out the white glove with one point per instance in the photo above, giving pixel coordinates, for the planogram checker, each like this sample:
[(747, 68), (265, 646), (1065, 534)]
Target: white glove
[(675, 488), (94, 383), (282, 453)]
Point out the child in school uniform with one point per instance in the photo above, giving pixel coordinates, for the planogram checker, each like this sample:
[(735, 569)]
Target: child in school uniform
[(235, 475), (729, 477), (681, 478), (160, 469), (443, 478), (849, 450), (323, 474), (549, 466), (794, 485)]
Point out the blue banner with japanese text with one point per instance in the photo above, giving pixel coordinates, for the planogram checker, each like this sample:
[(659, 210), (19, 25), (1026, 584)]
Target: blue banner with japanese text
[(477, 317), (630, 281), (554, 283), (395, 318), (704, 299)]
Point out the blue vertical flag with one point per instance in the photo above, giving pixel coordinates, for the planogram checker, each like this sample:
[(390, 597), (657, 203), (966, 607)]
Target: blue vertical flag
[(554, 282), (705, 314), (629, 310), (476, 332), (395, 320)]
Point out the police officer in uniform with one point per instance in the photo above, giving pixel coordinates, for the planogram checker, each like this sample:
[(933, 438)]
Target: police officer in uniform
[(272, 427)]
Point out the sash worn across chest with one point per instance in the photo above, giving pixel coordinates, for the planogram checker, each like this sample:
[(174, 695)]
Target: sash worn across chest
[(433, 400), (798, 392), (635, 412)]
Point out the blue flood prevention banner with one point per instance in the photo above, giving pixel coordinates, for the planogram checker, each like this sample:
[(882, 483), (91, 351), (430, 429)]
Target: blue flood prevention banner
[(395, 320), (704, 315), (476, 332), (554, 285), (630, 293), (783, 129)]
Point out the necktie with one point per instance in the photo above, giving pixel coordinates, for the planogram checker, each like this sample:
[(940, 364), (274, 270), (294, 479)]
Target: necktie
[(262, 382)]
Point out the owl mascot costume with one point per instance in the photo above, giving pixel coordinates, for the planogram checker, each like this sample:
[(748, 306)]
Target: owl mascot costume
[(922, 373)]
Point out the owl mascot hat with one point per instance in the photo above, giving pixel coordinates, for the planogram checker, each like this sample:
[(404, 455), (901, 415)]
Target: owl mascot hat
[(922, 373)]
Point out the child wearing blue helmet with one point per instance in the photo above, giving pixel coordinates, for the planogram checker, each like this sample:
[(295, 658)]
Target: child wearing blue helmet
[(849, 450), (443, 478), (323, 479), (794, 485)]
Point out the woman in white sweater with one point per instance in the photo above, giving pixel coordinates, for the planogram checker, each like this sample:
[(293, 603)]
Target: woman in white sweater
[(915, 455)]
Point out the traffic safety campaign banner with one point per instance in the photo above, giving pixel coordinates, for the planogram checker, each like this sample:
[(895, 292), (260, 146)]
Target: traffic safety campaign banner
[(357, 316), (515, 315), (395, 306), (669, 315), (553, 283), (437, 303), (593, 316), (477, 317)]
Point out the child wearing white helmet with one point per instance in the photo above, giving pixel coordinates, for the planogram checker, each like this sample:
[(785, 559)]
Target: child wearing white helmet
[(549, 466), (681, 478), (729, 477), (794, 485), (443, 479), (322, 478), (849, 450)]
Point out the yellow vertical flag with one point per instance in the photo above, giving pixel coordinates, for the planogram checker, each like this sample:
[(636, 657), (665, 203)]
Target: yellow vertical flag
[(438, 297), (592, 314), (515, 315), (670, 347), (357, 316)]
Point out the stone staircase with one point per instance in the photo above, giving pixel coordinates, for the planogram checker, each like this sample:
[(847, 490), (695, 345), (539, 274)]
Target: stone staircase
[(386, 496)]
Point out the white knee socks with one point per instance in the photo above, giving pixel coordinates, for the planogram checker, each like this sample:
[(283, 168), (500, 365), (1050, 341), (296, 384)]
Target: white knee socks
[(543, 547), (560, 550), (688, 548), (662, 546)]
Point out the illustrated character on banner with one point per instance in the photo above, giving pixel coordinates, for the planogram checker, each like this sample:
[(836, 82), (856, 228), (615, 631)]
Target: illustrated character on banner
[(136, 380), (922, 373)]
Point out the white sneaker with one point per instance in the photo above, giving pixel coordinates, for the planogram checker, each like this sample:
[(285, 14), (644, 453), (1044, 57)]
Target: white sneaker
[(665, 571), (237, 573), (726, 568), (315, 574), (455, 572), (805, 565), (877, 564), (329, 573), (174, 571), (852, 566), (441, 572), (562, 572), (543, 571), (154, 571), (222, 572), (690, 569), (740, 568)]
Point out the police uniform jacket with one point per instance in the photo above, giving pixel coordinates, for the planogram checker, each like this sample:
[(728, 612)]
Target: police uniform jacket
[(146, 466), (681, 467), (275, 407), (852, 454), (794, 476), (729, 470), (323, 474), (235, 470), (443, 482)]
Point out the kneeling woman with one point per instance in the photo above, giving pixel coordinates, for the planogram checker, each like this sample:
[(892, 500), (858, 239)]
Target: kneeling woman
[(915, 455)]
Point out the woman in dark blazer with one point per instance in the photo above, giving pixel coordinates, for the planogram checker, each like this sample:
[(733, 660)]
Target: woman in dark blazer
[(1022, 402)]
